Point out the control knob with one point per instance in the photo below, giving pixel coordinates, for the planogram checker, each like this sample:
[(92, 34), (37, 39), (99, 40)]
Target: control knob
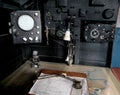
[(30, 38), (108, 13), (24, 39)]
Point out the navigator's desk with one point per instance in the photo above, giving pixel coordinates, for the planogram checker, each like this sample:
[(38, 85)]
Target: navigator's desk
[(101, 81)]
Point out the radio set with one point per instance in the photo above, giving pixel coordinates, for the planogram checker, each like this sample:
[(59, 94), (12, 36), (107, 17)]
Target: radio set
[(79, 30)]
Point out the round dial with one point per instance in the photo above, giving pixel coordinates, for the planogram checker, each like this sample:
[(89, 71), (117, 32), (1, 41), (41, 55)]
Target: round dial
[(94, 33), (108, 13)]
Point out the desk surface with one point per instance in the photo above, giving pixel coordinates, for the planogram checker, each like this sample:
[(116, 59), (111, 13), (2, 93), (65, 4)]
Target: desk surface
[(101, 81)]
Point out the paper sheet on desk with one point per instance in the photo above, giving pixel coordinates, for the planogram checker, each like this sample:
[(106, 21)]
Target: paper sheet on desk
[(58, 86)]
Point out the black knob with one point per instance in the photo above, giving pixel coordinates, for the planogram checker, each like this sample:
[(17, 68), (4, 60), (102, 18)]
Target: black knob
[(16, 34), (108, 13), (82, 12), (59, 33)]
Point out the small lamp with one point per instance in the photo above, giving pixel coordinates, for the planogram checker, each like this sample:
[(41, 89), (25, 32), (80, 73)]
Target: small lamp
[(67, 35)]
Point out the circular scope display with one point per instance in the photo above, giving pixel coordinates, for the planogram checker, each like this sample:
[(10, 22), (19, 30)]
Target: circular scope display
[(26, 22)]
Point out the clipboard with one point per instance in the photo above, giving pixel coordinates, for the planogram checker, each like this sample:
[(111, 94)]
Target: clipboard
[(38, 87)]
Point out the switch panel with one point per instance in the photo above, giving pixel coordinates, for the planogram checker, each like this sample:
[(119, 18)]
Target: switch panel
[(91, 24), (58, 13)]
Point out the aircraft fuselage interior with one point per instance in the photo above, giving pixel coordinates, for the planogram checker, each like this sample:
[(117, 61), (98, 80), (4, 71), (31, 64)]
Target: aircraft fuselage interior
[(70, 32)]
